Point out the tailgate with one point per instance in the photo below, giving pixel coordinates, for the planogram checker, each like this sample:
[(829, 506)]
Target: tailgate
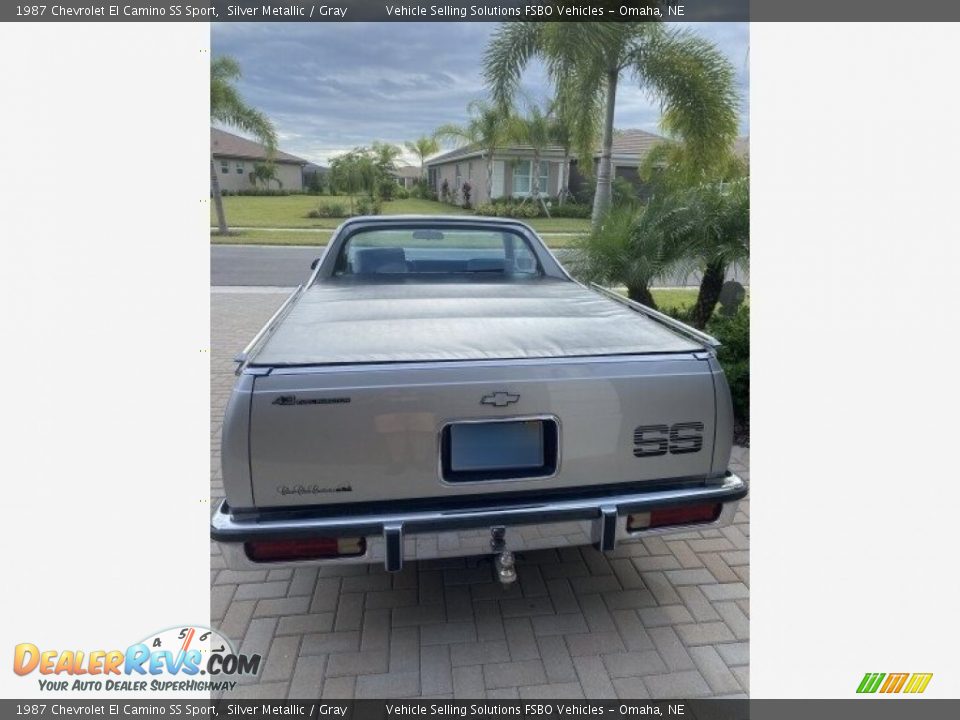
[(331, 435)]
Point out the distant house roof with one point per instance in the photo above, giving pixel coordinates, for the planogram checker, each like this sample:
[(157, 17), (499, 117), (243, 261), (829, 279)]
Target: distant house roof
[(456, 154), (741, 146), (407, 171), (469, 151), (633, 141), (224, 144), (629, 142)]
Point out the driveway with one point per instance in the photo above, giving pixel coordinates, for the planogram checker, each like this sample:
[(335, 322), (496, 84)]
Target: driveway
[(664, 618), (288, 266)]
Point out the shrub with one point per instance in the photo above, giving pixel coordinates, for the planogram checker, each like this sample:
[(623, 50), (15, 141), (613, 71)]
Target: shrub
[(401, 193), (269, 192), (329, 210), (510, 208), (423, 191), (487, 210), (623, 191), (386, 188), (369, 206), (570, 210), (734, 357), (527, 210), (466, 190)]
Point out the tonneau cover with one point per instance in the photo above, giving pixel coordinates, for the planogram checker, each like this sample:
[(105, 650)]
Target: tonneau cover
[(337, 322)]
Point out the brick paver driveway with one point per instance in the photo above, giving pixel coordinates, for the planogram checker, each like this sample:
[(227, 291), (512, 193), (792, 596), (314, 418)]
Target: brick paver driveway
[(663, 618)]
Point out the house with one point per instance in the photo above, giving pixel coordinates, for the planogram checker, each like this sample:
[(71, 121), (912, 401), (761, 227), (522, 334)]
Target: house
[(512, 170), (512, 167), (234, 160), (406, 176)]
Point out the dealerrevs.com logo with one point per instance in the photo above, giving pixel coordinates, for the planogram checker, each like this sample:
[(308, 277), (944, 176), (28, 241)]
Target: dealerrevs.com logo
[(892, 683), (183, 659)]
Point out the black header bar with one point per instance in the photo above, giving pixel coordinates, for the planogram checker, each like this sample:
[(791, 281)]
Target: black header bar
[(478, 11)]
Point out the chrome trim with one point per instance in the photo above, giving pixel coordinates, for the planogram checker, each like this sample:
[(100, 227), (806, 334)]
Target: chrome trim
[(672, 323), (510, 362), (512, 418), (224, 528), (244, 356)]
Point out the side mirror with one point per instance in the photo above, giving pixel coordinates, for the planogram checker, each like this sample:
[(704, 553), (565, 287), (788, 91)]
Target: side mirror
[(313, 265)]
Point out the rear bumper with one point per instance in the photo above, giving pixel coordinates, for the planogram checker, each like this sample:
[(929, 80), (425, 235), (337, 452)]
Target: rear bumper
[(600, 520)]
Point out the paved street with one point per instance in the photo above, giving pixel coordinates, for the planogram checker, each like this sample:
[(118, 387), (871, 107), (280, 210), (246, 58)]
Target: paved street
[(276, 266), (664, 618), (283, 266)]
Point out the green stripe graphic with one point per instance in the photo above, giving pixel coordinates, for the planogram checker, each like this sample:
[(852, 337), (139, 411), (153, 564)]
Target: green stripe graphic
[(871, 682)]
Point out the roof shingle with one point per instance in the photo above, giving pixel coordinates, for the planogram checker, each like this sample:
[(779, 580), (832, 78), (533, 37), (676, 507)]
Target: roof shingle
[(224, 144)]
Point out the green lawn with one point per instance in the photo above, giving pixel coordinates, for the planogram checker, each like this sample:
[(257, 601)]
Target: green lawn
[(675, 298), (290, 211), (669, 298), (272, 237)]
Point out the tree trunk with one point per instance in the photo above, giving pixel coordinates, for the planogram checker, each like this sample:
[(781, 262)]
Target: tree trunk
[(490, 177), (535, 183), (564, 177), (217, 198), (710, 287), (535, 178), (603, 197), (642, 295)]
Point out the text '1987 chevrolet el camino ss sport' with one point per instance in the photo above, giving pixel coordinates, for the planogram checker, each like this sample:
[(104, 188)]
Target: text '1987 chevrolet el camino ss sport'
[(441, 387)]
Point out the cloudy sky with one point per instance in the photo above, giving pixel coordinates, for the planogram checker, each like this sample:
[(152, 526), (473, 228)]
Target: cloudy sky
[(330, 87)]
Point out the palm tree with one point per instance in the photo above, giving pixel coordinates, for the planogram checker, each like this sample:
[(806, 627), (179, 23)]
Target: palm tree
[(536, 131), (709, 213), (487, 129), (265, 173), (228, 108), (423, 147), (574, 127), (385, 157), (686, 73), (632, 246), (717, 230)]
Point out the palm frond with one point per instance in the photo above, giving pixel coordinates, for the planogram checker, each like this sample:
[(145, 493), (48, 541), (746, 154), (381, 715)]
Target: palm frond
[(694, 83), (228, 107), (511, 48)]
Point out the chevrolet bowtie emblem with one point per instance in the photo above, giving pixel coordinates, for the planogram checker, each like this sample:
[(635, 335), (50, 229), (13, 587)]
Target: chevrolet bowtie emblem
[(500, 399)]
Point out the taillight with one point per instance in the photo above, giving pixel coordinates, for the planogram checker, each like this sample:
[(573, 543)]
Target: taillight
[(681, 515), (318, 548)]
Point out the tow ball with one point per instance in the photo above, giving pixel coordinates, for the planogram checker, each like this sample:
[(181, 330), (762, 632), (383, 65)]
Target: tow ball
[(503, 558)]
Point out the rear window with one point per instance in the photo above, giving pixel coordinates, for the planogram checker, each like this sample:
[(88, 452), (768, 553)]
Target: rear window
[(436, 252)]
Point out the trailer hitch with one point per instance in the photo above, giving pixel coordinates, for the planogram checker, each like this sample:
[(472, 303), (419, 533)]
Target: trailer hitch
[(503, 559)]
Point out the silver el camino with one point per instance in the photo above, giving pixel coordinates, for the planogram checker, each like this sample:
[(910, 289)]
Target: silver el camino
[(441, 386)]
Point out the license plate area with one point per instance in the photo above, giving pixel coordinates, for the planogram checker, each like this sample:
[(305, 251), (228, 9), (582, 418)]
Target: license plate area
[(515, 449)]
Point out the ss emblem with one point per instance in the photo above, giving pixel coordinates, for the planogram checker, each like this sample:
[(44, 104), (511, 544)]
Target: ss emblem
[(677, 439)]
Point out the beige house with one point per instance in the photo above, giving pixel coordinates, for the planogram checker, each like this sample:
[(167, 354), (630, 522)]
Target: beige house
[(234, 160), (512, 173), (512, 167)]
